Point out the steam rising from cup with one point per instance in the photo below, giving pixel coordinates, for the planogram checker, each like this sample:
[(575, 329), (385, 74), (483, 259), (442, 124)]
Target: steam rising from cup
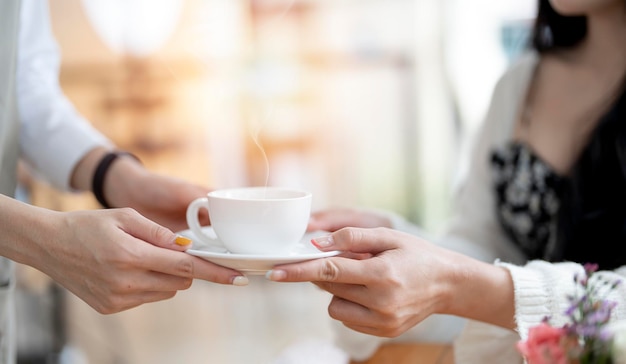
[(255, 130)]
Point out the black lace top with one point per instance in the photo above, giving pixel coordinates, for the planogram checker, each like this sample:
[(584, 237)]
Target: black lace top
[(579, 218), (528, 198)]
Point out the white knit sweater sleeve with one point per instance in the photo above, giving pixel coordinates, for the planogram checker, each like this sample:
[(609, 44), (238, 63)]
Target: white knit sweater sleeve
[(542, 288)]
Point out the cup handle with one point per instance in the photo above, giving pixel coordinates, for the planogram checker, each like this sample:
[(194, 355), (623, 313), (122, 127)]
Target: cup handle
[(192, 218)]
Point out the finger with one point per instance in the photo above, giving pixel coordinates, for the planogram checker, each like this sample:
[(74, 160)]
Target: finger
[(184, 265), (381, 329), (216, 273), (360, 295), (148, 281), (355, 256), (331, 220), (334, 269), (362, 319), (351, 292), (359, 240), (188, 193), (203, 218), (146, 230), (363, 329), (348, 312), (317, 224)]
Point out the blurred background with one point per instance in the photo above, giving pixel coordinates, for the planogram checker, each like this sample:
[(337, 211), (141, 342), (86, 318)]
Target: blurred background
[(363, 102)]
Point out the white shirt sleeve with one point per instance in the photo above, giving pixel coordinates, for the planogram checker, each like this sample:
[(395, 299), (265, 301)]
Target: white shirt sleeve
[(53, 136)]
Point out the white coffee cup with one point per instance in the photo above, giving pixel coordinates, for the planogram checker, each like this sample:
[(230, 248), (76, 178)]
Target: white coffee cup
[(254, 220)]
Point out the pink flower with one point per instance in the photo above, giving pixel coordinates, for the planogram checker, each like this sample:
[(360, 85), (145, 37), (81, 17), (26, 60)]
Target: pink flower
[(545, 345)]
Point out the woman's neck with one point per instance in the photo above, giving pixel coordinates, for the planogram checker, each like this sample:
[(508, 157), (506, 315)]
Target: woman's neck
[(606, 31)]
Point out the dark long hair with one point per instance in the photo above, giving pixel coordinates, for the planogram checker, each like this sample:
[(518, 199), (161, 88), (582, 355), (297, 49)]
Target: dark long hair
[(553, 30), (592, 216)]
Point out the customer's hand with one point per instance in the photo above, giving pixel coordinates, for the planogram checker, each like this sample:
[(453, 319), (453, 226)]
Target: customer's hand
[(405, 280), (114, 259), (384, 295), (338, 218)]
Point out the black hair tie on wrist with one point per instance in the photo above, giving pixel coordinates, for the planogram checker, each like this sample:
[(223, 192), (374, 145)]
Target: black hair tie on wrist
[(97, 186)]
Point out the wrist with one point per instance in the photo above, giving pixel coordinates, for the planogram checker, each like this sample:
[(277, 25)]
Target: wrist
[(111, 183), (480, 291), (29, 228), (82, 175)]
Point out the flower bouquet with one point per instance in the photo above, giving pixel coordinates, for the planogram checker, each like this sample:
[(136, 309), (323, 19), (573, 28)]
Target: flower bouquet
[(587, 338)]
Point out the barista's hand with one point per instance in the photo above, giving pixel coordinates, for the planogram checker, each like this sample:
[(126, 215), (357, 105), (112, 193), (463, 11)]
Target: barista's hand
[(115, 259), (160, 198)]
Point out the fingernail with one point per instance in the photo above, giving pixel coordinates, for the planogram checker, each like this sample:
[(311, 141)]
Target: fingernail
[(182, 241), (240, 281), (276, 275), (323, 241)]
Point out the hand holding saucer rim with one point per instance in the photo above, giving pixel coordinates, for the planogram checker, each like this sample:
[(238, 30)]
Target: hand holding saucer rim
[(254, 263)]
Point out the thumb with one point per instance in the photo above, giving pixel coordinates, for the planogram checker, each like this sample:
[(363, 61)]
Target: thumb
[(341, 269), (149, 231), (359, 240)]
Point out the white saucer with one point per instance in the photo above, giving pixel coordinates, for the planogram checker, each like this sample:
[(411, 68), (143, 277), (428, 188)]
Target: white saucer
[(253, 263)]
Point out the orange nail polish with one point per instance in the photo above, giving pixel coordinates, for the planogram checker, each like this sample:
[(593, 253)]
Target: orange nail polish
[(182, 241)]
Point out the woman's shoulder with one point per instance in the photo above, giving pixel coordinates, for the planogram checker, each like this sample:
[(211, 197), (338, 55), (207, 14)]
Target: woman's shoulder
[(518, 74), (507, 97)]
